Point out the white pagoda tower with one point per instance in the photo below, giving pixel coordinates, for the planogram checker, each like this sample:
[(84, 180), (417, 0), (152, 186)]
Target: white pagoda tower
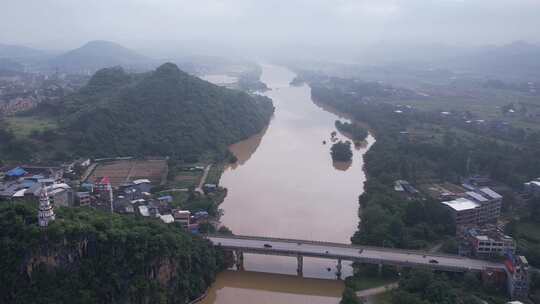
[(46, 212)]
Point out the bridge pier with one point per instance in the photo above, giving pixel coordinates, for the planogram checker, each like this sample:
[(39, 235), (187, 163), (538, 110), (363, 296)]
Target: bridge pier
[(338, 268), (300, 268), (379, 269), (239, 259)]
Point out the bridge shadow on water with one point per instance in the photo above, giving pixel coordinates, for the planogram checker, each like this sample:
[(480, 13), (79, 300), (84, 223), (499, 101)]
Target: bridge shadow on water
[(279, 283)]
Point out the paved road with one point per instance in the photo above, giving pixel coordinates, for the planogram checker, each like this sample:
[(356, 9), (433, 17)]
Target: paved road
[(375, 255)]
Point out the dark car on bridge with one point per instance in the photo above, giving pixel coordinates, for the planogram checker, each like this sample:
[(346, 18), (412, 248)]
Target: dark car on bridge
[(267, 246), (434, 261)]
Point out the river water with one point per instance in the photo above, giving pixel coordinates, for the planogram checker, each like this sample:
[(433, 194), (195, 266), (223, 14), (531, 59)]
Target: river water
[(286, 185)]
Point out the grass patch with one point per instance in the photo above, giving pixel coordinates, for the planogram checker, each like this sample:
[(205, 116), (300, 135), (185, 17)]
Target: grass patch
[(214, 175), (361, 282), (529, 230), (383, 298), (23, 126), (185, 179), (179, 198)]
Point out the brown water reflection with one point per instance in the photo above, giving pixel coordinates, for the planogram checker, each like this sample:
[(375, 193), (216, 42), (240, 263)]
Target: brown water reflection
[(286, 185), (253, 287), (340, 165), (244, 149)]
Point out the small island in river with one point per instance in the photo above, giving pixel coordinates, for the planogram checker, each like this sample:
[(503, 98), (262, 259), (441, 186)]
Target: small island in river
[(341, 151), (357, 132)]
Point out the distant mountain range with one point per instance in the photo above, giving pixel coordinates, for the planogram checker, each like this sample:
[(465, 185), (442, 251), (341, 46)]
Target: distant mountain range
[(86, 59), (14, 52), (517, 60), (96, 55)]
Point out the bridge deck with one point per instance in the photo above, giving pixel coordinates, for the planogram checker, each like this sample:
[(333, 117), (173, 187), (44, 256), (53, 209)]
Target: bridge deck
[(374, 255)]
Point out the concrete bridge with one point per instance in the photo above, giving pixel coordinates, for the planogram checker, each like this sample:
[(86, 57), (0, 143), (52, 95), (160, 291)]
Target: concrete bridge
[(336, 251)]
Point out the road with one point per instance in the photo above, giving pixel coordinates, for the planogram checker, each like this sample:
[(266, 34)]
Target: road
[(374, 255), (203, 179)]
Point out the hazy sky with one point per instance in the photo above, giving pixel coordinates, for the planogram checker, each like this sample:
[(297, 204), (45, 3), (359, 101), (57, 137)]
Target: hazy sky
[(136, 23)]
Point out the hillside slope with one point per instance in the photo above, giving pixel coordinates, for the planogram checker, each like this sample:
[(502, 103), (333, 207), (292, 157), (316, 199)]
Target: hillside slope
[(89, 256), (165, 112)]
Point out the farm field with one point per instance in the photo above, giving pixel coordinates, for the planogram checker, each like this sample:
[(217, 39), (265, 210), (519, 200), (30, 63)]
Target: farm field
[(122, 171)]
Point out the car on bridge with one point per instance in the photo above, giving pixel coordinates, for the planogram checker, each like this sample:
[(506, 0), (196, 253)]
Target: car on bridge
[(433, 262), (267, 246)]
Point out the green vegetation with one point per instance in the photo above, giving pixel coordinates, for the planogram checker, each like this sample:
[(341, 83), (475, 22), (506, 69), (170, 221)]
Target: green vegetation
[(193, 201), (425, 287), (349, 297), (88, 256), (250, 80), (23, 126), (367, 276), (357, 132), (526, 231), (214, 175), (341, 151), (184, 179), (297, 81), (421, 147), (166, 112)]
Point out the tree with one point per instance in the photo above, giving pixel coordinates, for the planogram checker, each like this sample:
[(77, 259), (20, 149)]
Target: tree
[(471, 281), (533, 205), (349, 297), (417, 280), (450, 246), (403, 297), (341, 151)]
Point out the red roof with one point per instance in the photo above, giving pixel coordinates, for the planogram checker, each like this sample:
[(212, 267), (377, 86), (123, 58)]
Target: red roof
[(509, 266), (105, 181)]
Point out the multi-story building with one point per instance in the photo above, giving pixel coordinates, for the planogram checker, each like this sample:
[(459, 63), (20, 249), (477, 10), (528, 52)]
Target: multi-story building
[(533, 187), (182, 217), (517, 273), (491, 209), (464, 211), (83, 198), (482, 206), (487, 241)]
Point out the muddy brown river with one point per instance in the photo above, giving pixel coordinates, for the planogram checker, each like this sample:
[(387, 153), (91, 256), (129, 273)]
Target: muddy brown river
[(286, 185)]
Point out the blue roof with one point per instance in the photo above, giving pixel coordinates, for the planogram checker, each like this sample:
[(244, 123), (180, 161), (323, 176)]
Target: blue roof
[(16, 172), (28, 183)]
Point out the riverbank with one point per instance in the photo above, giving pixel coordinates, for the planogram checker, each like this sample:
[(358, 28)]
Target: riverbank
[(285, 185)]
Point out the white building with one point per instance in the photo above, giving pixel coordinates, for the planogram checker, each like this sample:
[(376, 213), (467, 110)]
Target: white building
[(533, 187), (464, 211), (46, 212), (182, 217), (167, 218), (478, 207)]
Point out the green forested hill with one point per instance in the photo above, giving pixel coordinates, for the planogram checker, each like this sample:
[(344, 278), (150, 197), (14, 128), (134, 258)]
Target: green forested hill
[(164, 112), (88, 256)]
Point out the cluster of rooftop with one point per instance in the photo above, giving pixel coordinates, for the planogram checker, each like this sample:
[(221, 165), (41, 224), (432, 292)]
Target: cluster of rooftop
[(475, 207)]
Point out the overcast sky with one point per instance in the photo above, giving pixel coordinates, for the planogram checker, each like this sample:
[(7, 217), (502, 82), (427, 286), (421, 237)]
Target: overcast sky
[(138, 23)]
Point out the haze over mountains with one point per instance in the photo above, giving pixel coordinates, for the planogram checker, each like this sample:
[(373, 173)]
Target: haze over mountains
[(164, 112), (88, 58), (99, 54)]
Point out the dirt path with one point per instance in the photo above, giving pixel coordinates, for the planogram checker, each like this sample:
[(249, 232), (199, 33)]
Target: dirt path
[(203, 179), (88, 172), (377, 290)]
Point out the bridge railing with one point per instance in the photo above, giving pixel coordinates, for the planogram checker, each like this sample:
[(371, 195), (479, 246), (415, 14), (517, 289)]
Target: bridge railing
[(341, 245)]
